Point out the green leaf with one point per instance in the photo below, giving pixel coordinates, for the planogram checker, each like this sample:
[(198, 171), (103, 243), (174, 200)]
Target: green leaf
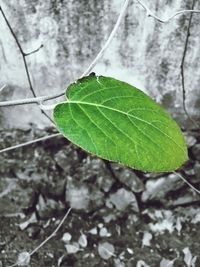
[(118, 122)]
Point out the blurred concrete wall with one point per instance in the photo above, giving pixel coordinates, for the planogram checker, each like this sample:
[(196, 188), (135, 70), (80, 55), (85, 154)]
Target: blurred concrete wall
[(144, 52)]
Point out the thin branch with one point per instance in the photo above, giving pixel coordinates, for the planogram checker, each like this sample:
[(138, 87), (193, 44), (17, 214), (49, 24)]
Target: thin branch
[(188, 183), (20, 49), (182, 68), (34, 51), (28, 255), (30, 142), (39, 100), (99, 55), (151, 14), (2, 88), (110, 38), (35, 100), (53, 234), (24, 55)]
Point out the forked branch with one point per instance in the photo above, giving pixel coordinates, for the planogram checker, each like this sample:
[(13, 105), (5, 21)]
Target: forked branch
[(24, 56), (153, 15), (39, 100)]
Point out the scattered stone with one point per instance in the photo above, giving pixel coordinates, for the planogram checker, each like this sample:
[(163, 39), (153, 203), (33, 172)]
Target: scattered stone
[(141, 263), (122, 199), (189, 171), (106, 250), (187, 198), (23, 259), (157, 189), (83, 240), (109, 217), (196, 218), (100, 225), (119, 263), (104, 232), (83, 196), (13, 198), (146, 239), (60, 260), (7, 186), (78, 197), (178, 225), (130, 251), (128, 177), (190, 140), (32, 219), (197, 170), (94, 170), (66, 237), (196, 152), (93, 231), (47, 207), (188, 258), (166, 263), (72, 248), (161, 227), (67, 158)]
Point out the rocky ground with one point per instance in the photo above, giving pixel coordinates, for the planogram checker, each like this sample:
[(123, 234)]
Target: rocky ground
[(119, 217)]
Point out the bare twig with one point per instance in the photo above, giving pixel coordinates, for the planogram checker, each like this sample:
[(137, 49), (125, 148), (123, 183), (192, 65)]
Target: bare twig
[(53, 234), (29, 142), (110, 38), (28, 255), (151, 14), (188, 183), (182, 68), (99, 55), (34, 51), (24, 55), (2, 88), (36, 100), (39, 100)]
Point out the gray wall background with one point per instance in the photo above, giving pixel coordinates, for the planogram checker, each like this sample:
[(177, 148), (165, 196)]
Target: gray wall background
[(144, 52)]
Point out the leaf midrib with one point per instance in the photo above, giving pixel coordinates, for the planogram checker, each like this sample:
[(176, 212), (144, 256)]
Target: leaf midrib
[(122, 112)]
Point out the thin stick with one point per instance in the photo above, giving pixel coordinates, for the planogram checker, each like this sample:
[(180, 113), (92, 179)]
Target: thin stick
[(30, 142), (101, 52), (35, 100), (1, 89), (39, 100), (24, 55), (188, 183), (182, 68), (151, 14), (48, 238), (110, 38), (53, 234), (34, 51)]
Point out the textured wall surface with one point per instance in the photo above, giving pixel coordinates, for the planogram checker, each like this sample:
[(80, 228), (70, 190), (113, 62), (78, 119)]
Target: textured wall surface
[(144, 52)]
